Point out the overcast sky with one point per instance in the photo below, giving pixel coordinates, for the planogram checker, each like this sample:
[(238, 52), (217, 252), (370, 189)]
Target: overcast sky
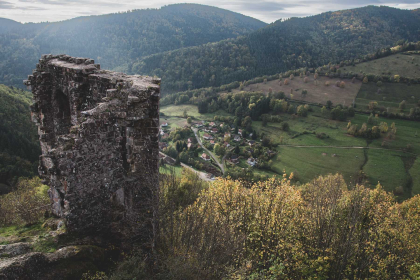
[(265, 10)]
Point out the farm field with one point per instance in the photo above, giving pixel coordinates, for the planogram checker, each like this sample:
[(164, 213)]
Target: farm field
[(309, 163), (415, 175), (390, 95), (173, 115), (335, 130), (169, 169), (405, 65), (192, 110), (387, 168), (408, 133), (316, 93)]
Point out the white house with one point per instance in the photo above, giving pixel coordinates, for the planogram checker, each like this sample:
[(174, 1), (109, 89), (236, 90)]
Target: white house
[(252, 161)]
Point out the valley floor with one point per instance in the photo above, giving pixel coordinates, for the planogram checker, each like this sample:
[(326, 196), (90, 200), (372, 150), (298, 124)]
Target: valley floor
[(301, 152)]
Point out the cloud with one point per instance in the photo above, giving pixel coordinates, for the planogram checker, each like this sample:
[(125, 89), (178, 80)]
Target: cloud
[(265, 10), (266, 6), (6, 5)]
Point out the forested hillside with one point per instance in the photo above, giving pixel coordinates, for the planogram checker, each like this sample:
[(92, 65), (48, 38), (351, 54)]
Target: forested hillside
[(116, 40), (284, 45), (19, 148)]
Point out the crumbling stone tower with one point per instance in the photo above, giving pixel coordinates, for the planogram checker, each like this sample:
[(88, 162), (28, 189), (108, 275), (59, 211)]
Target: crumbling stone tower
[(99, 137)]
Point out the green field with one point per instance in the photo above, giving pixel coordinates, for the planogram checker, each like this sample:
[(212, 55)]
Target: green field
[(309, 163), (192, 110), (391, 94), (415, 175), (408, 133), (398, 64), (336, 131), (169, 169), (386, 168)]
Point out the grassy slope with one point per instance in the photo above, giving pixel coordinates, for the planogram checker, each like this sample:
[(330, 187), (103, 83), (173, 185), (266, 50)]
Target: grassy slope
[(316, 93), (391, 95), (309, 163), (397, 64), (415, 174)]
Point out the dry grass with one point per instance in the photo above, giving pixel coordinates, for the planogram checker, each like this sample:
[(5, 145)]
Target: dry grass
[(316, 93)]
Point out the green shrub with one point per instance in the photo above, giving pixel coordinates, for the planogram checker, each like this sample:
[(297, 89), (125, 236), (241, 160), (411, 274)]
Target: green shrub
[(26, 204)]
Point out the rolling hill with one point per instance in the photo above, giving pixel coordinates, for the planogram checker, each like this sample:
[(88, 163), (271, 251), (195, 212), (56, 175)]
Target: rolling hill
[(284, 45), (115, 40)]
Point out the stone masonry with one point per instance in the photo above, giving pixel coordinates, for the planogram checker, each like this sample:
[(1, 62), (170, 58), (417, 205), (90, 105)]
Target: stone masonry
[(99, 137)]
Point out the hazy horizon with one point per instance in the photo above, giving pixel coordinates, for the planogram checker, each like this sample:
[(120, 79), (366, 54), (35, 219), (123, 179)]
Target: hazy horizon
[(266, 11)]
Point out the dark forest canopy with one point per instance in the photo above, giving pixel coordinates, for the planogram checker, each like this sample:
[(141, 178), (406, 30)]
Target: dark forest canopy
[(19, 147), (115, 40), (284, 45)]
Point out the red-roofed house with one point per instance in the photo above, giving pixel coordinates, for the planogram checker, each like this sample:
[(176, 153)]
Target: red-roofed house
[(205, 156), (207, 136)]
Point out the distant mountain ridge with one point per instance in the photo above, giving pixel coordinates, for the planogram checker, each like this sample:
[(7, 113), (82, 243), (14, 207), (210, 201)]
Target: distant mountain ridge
[(7, 25), (284, 45), (114, 40)]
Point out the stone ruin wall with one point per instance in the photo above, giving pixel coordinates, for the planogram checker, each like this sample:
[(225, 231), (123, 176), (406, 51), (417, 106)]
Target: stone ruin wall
[(99, 137)]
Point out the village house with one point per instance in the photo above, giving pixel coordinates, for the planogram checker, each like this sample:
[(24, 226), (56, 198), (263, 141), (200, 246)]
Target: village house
[(251, 143), (234, 159), (214, 130), (190, 140), (212, 142), (252, 161), (189, 146), (212, 124), (226, 144), (162, 145), (240, 131), (164, 125), (221, 125), (205, 156), (237, 138), (207, 136)]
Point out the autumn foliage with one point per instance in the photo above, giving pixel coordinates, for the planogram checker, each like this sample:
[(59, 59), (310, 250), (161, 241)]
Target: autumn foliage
[(274, 230)]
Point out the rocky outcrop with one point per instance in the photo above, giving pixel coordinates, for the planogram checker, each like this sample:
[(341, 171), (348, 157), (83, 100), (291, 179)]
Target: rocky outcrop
[(67, 263), (99, 137), (16, 249)]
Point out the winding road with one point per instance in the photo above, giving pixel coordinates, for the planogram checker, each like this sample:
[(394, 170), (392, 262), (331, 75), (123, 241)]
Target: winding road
[(221, 166)]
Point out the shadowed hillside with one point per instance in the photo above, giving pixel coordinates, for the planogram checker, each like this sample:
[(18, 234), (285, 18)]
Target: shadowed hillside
[(284, 45), (19, 147), (115, 40)]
